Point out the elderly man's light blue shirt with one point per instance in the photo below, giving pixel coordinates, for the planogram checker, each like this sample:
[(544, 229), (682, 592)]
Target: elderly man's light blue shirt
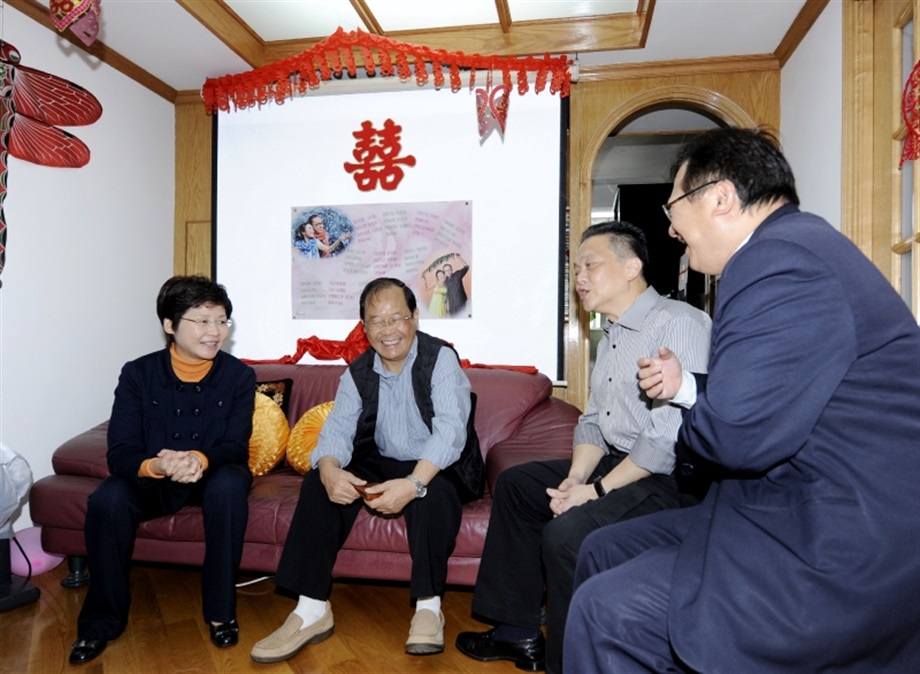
[(401, 432)]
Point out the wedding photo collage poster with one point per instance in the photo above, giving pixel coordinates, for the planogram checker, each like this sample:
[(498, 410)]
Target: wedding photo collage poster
[(337, 249)]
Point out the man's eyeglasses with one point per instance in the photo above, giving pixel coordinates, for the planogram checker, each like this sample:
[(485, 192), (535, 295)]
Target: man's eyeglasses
[(667, 207), (391, 322), (202, 323)]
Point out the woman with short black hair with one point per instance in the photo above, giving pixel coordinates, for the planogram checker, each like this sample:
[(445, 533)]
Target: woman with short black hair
[(178, 435)]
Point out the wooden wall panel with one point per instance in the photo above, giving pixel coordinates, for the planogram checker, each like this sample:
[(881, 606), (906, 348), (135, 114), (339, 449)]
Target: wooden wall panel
[(198, 247), (857, 169), (192, 240)]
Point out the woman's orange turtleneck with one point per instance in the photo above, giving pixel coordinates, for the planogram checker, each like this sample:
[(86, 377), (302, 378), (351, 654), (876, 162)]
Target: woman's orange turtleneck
[(189, 371)]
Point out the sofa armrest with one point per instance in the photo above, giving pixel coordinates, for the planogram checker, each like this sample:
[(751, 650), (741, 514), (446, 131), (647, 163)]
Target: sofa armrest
[(84, 454), (545, 433)]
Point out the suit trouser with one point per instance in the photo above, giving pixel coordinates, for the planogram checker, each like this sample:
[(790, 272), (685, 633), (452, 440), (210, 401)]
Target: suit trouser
[(526, 547), (618, 618), (319, 529), (115, 510)]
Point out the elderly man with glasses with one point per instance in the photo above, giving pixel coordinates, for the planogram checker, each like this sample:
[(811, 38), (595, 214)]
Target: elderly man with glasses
[(401, 425)]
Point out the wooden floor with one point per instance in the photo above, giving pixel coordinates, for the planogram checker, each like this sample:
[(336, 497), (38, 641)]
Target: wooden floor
[(166, 632)]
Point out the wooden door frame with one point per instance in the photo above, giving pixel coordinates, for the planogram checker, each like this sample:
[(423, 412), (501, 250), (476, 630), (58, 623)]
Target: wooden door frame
[(871, 194), (736, 96)]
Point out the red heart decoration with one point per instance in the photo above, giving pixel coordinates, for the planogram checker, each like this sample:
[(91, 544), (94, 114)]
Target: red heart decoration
[(498, 102), (483, 113)]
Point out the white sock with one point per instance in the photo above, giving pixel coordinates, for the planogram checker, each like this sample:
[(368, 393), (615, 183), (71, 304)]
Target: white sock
[(432, 604), (309, 610)]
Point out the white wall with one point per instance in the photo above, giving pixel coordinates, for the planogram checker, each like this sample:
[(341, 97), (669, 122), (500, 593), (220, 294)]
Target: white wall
[(511, 184), (87, 250), (811, 114)]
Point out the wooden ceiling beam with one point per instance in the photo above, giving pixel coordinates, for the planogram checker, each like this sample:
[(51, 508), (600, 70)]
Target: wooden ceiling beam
[(367, 16), (804, 20), (504, 15), (229, 28), (39, 13), (580, 34)]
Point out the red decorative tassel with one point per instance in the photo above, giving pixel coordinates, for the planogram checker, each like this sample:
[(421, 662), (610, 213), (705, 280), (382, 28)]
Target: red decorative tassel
[(335, 62), (386, 63), (910, 111), (438, 73), (421, 70), (324, 71), (454, 77), (350, 61), (368, 56), (402, 66)]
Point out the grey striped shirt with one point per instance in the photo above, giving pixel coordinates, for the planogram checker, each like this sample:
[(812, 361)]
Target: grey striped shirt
[(618, 413)]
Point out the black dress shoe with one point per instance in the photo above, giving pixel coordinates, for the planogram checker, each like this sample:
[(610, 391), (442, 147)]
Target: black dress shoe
[(84, 650), (225, 634), (529, 654)]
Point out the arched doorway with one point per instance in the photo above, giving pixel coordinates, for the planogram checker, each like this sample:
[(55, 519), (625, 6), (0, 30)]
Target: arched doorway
[(599, 109)]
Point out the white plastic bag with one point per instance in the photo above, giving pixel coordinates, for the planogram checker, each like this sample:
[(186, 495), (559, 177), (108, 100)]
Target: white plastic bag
[(15, 482)]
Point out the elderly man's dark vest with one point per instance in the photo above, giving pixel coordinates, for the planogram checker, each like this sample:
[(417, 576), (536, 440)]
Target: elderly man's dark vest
[(467, 473)]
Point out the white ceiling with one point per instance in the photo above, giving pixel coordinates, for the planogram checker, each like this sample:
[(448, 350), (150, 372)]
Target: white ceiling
[(163, 38), (287, 20)]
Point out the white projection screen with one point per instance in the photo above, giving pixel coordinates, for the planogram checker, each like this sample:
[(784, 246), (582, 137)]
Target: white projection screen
[(273, 160)]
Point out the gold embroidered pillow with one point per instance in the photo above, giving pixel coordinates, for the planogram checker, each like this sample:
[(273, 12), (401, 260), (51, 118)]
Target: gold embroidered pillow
[(305, 434), (278, 390), (269, 438)]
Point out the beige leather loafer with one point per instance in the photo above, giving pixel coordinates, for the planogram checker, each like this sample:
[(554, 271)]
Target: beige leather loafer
[(288, 639), (426, 633)]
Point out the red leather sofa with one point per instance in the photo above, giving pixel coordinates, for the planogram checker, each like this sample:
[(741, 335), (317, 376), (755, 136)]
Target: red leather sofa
[(517, 420)]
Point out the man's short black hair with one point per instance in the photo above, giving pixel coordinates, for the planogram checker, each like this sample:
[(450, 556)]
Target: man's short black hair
[(626, 239), (750, 158), (378, 284)]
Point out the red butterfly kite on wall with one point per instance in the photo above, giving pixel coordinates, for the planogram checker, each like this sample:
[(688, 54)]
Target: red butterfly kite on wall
[(32, 104)]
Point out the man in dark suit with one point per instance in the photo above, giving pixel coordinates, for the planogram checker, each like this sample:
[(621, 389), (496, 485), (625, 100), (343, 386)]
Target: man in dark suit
[(805, 553)]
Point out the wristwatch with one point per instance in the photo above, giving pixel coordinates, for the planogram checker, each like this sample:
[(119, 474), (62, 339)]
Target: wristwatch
[(599, 488), (420, 488)]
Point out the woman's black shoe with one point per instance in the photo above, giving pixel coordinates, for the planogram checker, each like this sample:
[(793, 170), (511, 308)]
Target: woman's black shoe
[(225, 634), (84, 650)]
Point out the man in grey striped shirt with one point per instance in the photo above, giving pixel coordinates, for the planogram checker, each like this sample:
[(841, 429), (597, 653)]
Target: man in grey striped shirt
[(621, 466)]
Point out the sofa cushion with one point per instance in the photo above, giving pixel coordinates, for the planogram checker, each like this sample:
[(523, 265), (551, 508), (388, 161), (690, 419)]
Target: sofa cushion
[(269, 438), (545, 434), (504, 399), (312, 384), (278, 390), (305, 435)]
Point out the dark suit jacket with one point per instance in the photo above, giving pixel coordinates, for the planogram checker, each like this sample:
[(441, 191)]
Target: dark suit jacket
[(807, 552), (153, 410)]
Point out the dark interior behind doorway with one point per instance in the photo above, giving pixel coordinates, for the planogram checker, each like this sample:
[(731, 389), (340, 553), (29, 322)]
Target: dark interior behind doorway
[(641, 205)]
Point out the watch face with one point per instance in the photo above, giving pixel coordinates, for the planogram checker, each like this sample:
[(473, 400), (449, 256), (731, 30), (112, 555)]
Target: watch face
[(420, 488)]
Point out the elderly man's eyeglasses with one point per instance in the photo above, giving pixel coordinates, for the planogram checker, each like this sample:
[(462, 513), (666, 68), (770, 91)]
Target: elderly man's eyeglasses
[(392, 322), (202, 323), (667, 207)]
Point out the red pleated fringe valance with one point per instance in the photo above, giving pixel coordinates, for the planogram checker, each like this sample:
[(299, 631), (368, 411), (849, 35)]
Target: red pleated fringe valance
[(379, 55)]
